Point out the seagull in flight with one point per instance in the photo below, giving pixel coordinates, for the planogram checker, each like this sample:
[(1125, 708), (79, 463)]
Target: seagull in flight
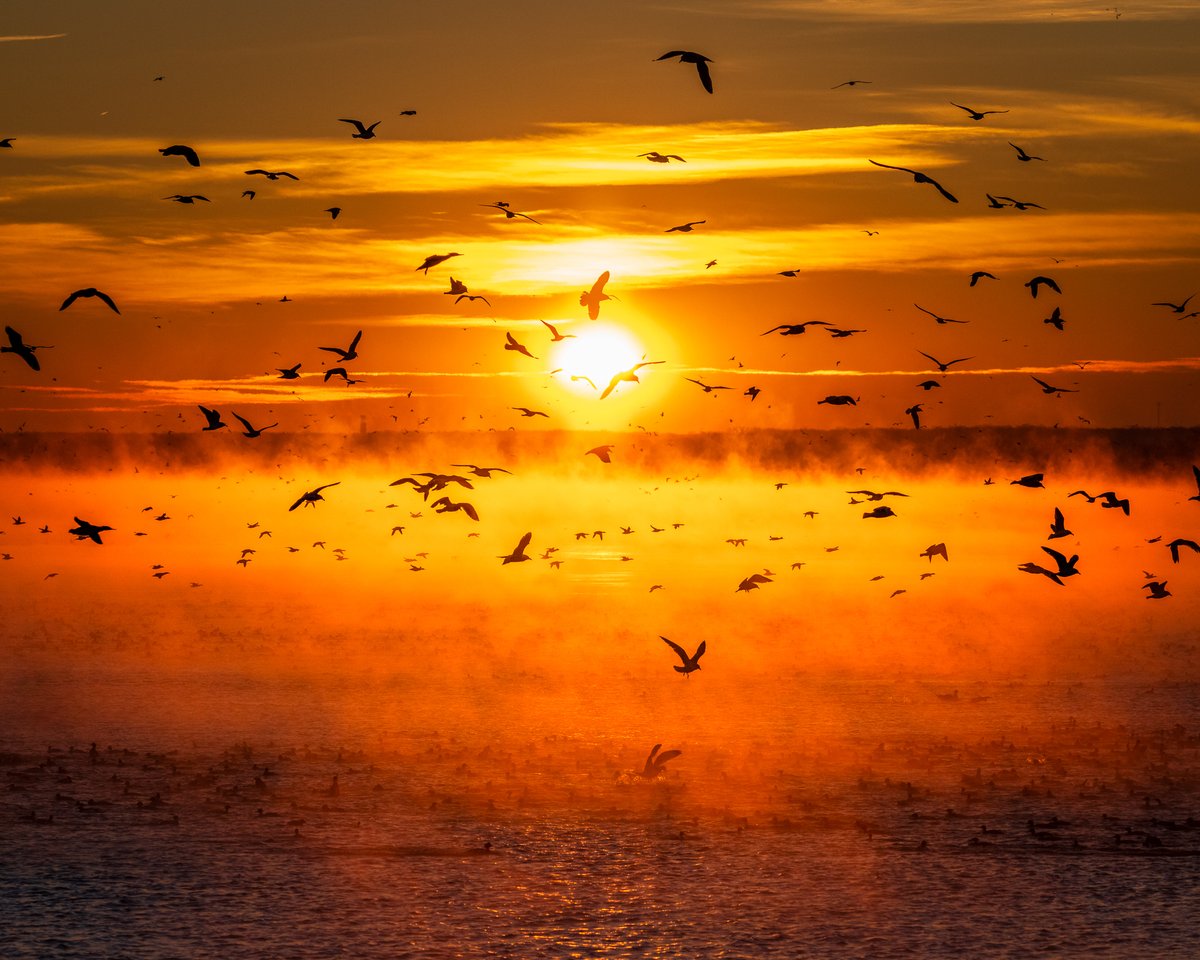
[(1066, 568), (655, 157), (89, 531), (518, 554), (1041, 281), (685, 227), (90, 292), (939, 319), (792, 329), (1158, 590), (627, 376), (839, 400), (273, 175), (478, 471), (657, 761), (526, 412), (1056, 319), (701, 62), (979, 275), (943, 367), (312, 496), (1021, 204), (594, 297), (919, 177), (339, 372), (252, 432), (936, 550), (1059, 527), (1175, 307), (213, 418), (446, 505), (690, 663), (187, 198), (181, 150), (17, 345), (512, 344), (364, 133), (603, 452), (1174, 546), (850, 83), (555, 336), (502, 206), (434, 259), (1196, 475), (975, 114), (1022, 155), (350, 353), (707, 388), (1046, 388), (915, 412)]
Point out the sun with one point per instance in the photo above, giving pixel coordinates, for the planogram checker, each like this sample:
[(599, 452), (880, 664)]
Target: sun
[(589, 359)]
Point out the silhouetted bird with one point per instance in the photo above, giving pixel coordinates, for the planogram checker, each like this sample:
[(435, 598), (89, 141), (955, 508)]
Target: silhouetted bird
[(181, 150), (364, 133), (943, 367), (434, 259), (915, 412), (509, 214), (518, 554), (1056, 319), (17, 346), (1037, 282), (1046, 388), (919, 177), (1158, 590), (939, 319), (690, 663), (446, 505), (685, 227), (794, 329), (350, 353), (603, 452), (701, 62), (594, 297), (1058, 528), (310, 498), (512, 344), (1175, 307), (936, 550), (526, 412), (1031, 480), (213, 418), (979, 275), (1022, 155), (252, 432), (1174, 546), (839, 400), (627, 376), (273, 175), (975, 114), (187, 198), (90, 531), (879, 513), (655, 157), (288, 373), (90, 292)]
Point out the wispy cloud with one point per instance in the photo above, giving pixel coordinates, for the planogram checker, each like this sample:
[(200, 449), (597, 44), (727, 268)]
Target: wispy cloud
[(976, 11), (41, 36)]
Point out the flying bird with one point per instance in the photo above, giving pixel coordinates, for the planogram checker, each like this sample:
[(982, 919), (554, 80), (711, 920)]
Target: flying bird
[(1021, 204), (512, 344), (1175, 307), (555, 336), (18, 346), (627, 376), (446, 505), (979, 275), (518, 554), (1056, 319), (1066, 568), (187, 198), (975, 114), (181, 150), (915, 412), (879, 513), (707, 388), (252, 432), (213, 418), (655, 157), (339, 372), (1174, 546), (478, 471), (1059, 527), (701, 62), (850, 83), (685, 227), (657, 761), (1022, 155), (526, 412), (350, 353), (509, 214), (273, 175), (364, 133), (89, 531), (333, 212), (939, 319), (840, 400), (1046, 388), (1158, 590), (1030, 480), (310, 498), (603, 452), (943, 367), (919, 177), (90, 292), (472, 297), (594, 297), (690, 663), (794, 329), (1037, 282), (1196, 476), (434, 259), (936, 550)]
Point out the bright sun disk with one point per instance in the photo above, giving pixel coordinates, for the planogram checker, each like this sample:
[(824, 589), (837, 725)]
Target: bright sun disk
[(596, 352)]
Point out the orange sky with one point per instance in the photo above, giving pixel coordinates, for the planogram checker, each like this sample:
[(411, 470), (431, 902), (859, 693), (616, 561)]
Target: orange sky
[(548, 111)]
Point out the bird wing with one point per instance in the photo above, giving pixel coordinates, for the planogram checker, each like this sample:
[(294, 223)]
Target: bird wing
[(676, 647), (890, 167), (667, 56), (354, 342), (245, 423), (522, 544), (663, 757), (469, 510), (598, 286), (327, 486), (700, 650), (357, 123), (705, 77), (942, 190), (612, 385)]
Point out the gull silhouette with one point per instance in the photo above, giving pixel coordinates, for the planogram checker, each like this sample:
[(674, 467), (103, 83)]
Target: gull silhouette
[(1066, 568), (603, 452), (502, 206), (655, 763), (187, 198), (434, 259), (943, 367), (936, 317), (1056, 319), (685, 227), (915, 412), (478, 471), (250, 431), (446, 505), (840, 400), (1040, 281), (979, 275), (919, 177), (707, 388), (273, 174), (1175, 307), (213, 418), (1058, 528), (691, 663), (518, 554), (879, 513), (1022, 155), (1196, 477), (88, 531), (793, 329), (339, 372), (1158, 590), (555, 336), (975, 114), (181, 150), (364, 133), (1046, 388), (594, 297), (310, 498), (512, 344), (936, 550), (655, 157), (1029, 480), (526, 412), (1174, 546), (90, 292), (627, 376), (1021, 204), (701, 62), (350, 353), (17, 346), (850, 83)]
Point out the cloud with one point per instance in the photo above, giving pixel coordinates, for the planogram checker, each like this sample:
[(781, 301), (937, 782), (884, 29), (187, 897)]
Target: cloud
[(43, 36), (973, 11)]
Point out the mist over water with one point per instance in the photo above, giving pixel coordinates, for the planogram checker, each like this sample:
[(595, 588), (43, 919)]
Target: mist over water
[(310, 734)]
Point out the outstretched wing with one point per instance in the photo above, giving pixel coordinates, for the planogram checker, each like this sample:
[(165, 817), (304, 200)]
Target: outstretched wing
[(705, 78), (680, 652)]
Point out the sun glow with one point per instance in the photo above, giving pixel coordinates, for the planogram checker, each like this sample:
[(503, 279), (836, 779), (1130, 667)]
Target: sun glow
[(590, 358)]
